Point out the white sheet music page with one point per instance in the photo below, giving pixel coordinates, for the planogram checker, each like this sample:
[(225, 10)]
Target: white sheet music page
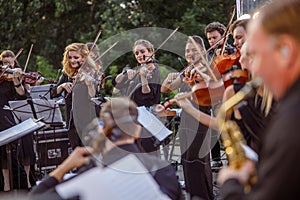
[(125, 179), (153, 124), (19, 130)]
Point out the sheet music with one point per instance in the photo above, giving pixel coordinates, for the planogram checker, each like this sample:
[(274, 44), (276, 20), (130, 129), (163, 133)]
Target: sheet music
[(46, 109), (19, 131), (153, 124), (36, 92), (125, 179)]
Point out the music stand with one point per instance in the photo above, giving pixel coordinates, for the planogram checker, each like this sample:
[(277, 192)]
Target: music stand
[(40, 91), (47, 110), (16, 132)]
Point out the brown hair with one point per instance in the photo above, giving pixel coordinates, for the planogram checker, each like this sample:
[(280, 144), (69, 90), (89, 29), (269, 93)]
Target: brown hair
[(8, 53), (149, 46), (240, 22), (215, 26), (122, 114)]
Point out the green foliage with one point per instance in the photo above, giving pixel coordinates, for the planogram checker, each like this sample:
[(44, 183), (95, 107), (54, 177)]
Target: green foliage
[(45, 68), (52, 25)]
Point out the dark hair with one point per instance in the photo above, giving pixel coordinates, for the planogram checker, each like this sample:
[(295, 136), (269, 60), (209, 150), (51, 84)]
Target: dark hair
[(215, 26), (123, 113)]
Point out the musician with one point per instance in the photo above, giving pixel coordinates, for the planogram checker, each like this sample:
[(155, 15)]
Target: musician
[(12, 88), (142, 84), (238, 31), (274, 44), (74, 56), (115, 140), (194, 136), (254, 114), (214, 32)]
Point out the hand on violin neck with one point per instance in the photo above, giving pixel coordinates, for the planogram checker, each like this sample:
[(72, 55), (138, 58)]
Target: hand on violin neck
[(143, 71), (171, 77), (131, 73), (200, 76), (182, 101), (16, 75)]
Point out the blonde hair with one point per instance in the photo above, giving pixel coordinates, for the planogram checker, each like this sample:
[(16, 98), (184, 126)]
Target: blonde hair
[(83, 50), (267, 99)]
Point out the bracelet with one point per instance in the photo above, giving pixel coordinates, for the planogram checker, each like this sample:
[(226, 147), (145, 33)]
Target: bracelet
[(17, 86)]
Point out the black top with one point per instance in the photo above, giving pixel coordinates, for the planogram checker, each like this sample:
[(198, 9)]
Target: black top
[(68, 97), (195, 147), (133, 89), (8, 93), (254, 121), (278, 170), (164, 176)]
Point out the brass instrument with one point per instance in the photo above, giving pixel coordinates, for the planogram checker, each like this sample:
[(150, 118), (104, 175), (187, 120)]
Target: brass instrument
[(231, 135)]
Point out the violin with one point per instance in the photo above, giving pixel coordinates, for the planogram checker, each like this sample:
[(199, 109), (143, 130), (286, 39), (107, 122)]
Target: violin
[(241, 75), (6, 73), (203, 94), (31, 78), (224, 62)]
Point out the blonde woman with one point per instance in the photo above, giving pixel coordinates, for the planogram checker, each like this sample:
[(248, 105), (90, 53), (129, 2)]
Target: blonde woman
[(75, 55)]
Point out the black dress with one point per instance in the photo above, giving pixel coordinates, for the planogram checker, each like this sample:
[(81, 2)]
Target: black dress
[(22, 150), (72, 133), (254, 121), (195, 147), (133, 89)]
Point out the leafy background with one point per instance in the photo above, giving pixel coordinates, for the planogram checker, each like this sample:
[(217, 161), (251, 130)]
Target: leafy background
[(51, 25)]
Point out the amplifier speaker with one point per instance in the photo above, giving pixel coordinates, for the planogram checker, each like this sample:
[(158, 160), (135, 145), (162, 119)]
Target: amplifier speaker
[(52, 147)]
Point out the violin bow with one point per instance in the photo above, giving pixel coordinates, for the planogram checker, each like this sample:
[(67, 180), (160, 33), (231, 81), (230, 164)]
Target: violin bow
[(107, 50), (94, 44), (231, 16), (19, 52), (163, 42), (203, 58), (16, 56), (28, 57)]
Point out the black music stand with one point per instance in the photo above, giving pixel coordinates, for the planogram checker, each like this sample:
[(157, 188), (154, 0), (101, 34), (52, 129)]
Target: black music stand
[(40, 91), (47, 110), (16, 132)]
